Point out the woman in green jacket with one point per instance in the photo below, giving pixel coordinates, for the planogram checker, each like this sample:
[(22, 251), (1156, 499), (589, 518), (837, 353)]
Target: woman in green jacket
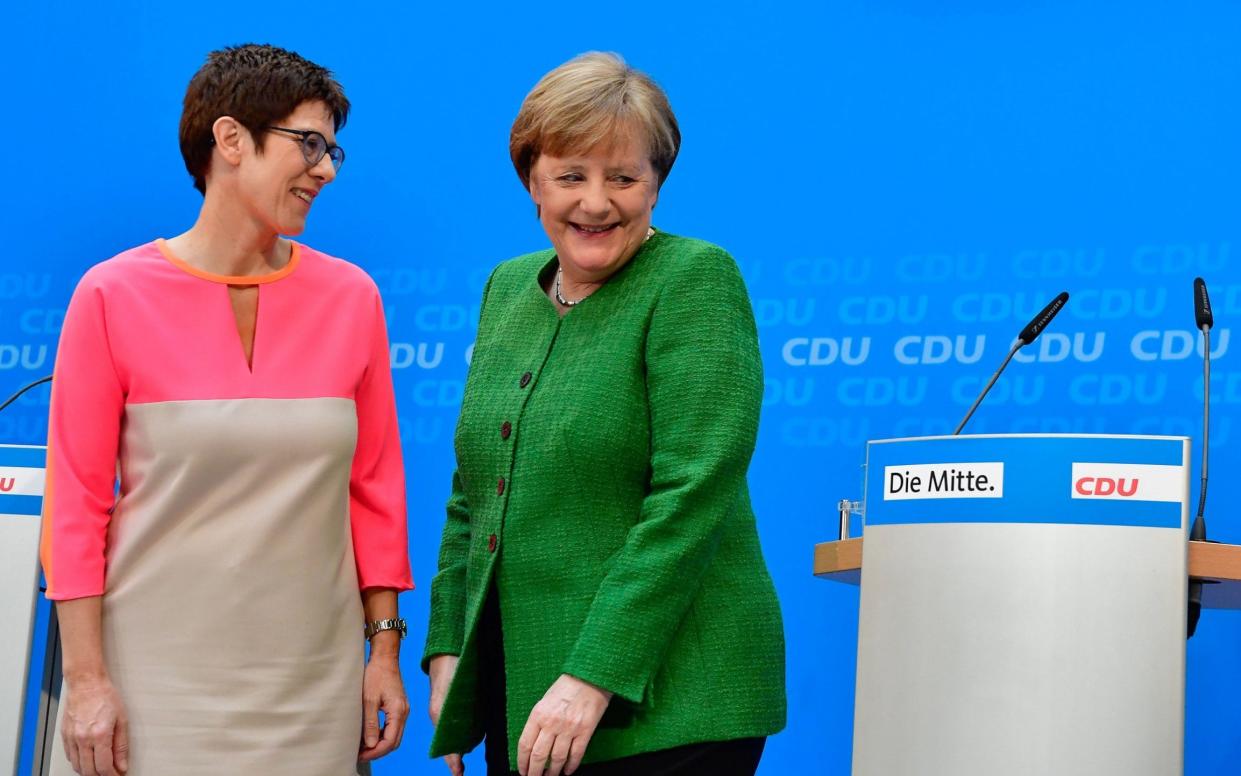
[(601, 595)]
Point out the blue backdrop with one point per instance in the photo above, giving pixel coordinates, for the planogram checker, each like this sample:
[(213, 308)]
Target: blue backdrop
[(904, 185)]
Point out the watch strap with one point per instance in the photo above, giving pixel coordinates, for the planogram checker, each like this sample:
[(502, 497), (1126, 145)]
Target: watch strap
[(379, 626)]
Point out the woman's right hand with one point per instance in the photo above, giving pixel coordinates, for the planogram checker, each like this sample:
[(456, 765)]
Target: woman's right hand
[(94, 730), (441, 669)]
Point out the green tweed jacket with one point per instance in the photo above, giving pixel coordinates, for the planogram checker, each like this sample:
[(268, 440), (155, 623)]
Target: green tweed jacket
[(601, 480)]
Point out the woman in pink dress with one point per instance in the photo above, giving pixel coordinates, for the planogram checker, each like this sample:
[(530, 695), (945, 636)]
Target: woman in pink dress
[(213, 607)]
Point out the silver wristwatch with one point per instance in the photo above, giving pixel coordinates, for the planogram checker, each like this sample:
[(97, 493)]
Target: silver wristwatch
[(379, 626)]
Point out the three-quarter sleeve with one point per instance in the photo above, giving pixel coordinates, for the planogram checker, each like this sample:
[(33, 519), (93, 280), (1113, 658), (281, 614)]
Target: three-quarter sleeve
[(88, 400), (377, 514), (705, 384)]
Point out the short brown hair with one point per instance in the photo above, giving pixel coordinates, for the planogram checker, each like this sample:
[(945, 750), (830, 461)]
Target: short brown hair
[(590, 100), (256, 84)]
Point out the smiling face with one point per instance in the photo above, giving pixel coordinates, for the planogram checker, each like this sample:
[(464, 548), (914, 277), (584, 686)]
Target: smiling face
[(595, 206), (276, 186)]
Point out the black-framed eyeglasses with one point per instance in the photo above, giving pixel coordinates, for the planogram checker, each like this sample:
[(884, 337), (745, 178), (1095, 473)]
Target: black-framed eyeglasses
[(315, 146)]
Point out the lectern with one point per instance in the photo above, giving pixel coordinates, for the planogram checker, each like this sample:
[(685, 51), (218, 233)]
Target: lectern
[(1023, 606), (22, 472)]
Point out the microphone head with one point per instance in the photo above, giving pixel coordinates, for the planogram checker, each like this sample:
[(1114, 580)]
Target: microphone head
[(1036, 326), (1202, 305)]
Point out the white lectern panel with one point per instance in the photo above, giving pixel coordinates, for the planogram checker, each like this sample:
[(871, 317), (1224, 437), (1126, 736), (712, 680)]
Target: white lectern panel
[(21, 500), (1023, 607)]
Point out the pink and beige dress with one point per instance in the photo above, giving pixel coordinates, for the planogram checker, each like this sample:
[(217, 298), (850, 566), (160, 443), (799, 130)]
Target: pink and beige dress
[(255, 500)]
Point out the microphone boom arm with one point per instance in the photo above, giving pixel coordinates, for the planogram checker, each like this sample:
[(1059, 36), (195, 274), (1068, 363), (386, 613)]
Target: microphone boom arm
[(1206, 424), (1016, 346)]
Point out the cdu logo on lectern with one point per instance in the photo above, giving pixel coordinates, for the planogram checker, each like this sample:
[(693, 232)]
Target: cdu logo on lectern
[(21, 481), (1128, 482)]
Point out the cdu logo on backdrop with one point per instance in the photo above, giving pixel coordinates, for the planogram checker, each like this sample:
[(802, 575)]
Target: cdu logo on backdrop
[(874, 344)]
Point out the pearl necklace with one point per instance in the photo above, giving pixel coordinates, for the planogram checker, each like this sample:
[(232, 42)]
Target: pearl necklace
[(650, 230)]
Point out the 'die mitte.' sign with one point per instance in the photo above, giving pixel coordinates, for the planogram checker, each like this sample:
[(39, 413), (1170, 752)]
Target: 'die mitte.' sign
[(984, 479)]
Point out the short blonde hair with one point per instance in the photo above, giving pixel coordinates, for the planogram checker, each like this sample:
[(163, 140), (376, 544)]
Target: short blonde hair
[(593, 98)]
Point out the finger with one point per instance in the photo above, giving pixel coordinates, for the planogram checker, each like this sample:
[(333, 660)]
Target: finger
[(455, 765), (576, 752), (86, 756), (398, 717), (541, 750), (370, 722), (71, 752), (559, 755), (378, 750), (103, 759), (120, 745), (387, 741), (528, 734)]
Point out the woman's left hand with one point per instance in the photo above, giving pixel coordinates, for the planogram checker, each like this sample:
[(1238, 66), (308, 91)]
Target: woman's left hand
[(560, 727), (382, 690)]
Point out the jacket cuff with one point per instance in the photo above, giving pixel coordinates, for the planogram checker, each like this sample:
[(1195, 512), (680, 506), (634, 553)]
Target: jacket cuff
[(439, 643), (607, 675)]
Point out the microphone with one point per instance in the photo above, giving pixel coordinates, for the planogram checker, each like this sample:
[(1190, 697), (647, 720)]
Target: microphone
[(1198, 531), (1202, 305), (1028, 334), (1036, 326)]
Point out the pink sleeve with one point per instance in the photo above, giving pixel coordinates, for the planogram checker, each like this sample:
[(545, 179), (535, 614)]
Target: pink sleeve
[(377, 481), (83, 432)]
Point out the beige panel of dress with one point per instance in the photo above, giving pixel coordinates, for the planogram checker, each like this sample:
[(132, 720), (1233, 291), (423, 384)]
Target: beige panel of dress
[(232, 622)]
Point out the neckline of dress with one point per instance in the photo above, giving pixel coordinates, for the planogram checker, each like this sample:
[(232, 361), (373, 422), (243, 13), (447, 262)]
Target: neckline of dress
[(295, 257)]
